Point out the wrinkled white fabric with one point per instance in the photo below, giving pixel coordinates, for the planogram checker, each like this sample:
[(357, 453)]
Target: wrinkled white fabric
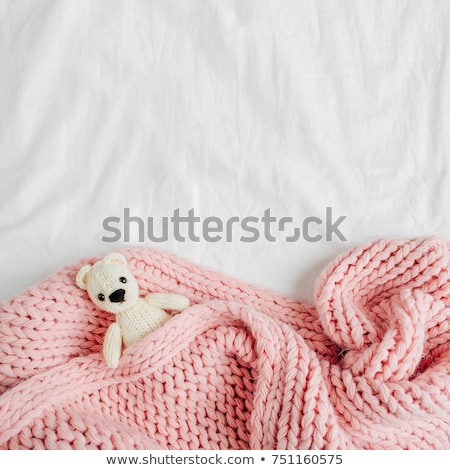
[(229, 108)]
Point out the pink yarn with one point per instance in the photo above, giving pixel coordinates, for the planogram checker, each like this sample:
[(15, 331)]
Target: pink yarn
[(366, 367)]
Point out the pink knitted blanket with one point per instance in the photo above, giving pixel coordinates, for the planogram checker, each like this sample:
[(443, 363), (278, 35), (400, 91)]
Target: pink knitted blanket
[(366, 367)]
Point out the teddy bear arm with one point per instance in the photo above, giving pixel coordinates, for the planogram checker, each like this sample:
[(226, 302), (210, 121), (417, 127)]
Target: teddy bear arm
[(112, 345), (165, 301)]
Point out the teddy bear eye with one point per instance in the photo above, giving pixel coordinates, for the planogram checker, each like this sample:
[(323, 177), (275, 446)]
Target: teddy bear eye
[(101, 297), (123, 280)]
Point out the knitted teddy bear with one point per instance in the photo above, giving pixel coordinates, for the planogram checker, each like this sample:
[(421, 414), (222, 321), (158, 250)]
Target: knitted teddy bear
[(113, 288)]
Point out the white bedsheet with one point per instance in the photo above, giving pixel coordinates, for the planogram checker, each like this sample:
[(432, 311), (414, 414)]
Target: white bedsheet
[(228, 109)]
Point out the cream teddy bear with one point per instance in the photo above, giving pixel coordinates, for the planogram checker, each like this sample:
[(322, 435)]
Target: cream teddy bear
[(113, 288)]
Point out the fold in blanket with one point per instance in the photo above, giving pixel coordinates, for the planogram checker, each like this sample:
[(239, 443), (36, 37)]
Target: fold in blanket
[(366, 367)]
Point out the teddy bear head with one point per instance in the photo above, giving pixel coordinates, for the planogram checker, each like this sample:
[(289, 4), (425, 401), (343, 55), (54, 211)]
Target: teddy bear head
[(109, 283)]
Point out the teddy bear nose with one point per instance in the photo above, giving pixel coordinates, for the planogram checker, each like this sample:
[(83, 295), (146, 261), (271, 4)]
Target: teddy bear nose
[(117, 296)]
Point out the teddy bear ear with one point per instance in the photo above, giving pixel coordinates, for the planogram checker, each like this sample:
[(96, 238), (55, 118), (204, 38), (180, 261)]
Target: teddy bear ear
[(82, 276), (115, 258)]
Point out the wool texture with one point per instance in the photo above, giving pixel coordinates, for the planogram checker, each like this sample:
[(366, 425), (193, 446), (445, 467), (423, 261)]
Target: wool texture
[(137, 322), (365, 367)]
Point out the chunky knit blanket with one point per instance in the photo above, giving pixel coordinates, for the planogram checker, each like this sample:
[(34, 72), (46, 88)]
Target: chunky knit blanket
[(367, 366)]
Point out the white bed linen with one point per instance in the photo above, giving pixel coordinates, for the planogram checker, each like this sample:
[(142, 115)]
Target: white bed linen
[(228, 108)]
